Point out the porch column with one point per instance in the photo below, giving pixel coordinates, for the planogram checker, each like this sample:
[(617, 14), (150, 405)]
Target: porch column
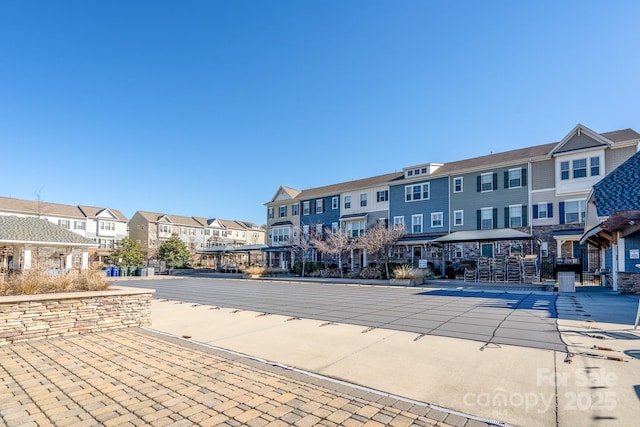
[(351, 259), (26, 263), (614, 267), (68, 262), (365, 262), (85, 259)]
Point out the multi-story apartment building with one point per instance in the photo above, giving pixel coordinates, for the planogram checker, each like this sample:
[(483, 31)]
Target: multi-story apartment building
[(539, 190), (105, 226), (152, 229)]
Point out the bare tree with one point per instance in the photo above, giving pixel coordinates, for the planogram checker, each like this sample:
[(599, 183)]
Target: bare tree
[(335, 244), (379, 240), (302, 244)]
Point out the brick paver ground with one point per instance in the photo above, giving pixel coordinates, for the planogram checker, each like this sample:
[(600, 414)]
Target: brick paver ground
[(134, 377)]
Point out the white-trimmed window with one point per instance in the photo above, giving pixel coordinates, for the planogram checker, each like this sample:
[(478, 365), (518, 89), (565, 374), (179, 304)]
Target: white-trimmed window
[(579, 168), (486, 218), (416, 223), (515, 216), (515, 178), (458, 251), (458, 217), (347, 202), (564, 170), (107, 225), (335, 227), (417, 192), (486, 182), (574, 211), (269, 213), (319, 229), (295, 209), (436, 219), (319, 206), (64, 223), (354, 228), (79, 225), (306, 210), (543, 212), (382, 196), (280, 235), (305, 231), (595, 166), (166, 228), (398, 222), (334, 202), (282, 211), (458, 184), (363, 200)]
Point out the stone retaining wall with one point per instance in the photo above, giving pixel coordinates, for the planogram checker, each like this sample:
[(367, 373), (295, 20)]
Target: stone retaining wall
[(27, 317), (629, 283)]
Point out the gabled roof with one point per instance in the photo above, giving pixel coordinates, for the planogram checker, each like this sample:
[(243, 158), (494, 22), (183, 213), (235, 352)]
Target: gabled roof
[(230, 224), (33, 230), (342, 187), (173, 219), (289, 192), (620, 189), (94, 212), (39, 208), (594, 139)]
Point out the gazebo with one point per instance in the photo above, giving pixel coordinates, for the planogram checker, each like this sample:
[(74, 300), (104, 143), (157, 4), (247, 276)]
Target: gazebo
[(19, 236)]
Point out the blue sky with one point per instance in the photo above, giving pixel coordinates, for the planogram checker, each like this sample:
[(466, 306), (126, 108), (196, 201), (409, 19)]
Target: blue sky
[(204, 108)]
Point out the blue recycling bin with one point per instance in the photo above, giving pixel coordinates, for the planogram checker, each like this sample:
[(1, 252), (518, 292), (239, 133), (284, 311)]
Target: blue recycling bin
[(107, 271), (115, 271)]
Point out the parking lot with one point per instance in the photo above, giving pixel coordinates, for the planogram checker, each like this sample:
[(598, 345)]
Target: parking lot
[(490, 317)]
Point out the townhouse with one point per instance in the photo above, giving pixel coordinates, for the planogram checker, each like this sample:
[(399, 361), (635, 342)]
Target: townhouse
[(152, 229), (105, 226), (534, 196)]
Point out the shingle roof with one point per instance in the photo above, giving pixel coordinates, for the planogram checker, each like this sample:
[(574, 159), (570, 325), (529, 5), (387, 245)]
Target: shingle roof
[(350, 185), (34, 207), (620, 189), (621, 135), (36, 230), (175, 219), (92, 212)]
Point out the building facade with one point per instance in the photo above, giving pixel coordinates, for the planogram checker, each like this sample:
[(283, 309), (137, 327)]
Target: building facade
[(539, 190)]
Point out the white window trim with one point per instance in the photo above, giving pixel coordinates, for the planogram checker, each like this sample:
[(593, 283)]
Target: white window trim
[(461, 218), (546, 210), (519, 171), (461, 184), (319, 206), (482, 190), (482, 219), (335, 204), (519, 207), (398, 222), (414, 217), (408, 191), (434, 215), (306, 208)]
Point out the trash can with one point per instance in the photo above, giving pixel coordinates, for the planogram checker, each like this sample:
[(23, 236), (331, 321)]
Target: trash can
[(139, 271), (151, 271), (566, 281), (115, 271), (107, 271), (123, 271)]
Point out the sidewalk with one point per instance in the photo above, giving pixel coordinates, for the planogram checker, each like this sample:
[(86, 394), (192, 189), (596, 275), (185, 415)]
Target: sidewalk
[(135, 377)]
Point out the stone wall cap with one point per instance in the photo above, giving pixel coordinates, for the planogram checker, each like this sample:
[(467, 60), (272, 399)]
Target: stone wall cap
[(112, 291)]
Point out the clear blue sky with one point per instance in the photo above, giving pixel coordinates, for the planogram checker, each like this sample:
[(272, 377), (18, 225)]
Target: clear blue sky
[(204, 108)]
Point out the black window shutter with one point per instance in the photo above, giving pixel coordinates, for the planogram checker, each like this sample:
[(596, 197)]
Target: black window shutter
[(506, 179), (524, 215), (479, 216), (535, 211), (524, 177), (479, 183), (495, 181), (561, 209), (550, 210), (506, 217), (495, 216)]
